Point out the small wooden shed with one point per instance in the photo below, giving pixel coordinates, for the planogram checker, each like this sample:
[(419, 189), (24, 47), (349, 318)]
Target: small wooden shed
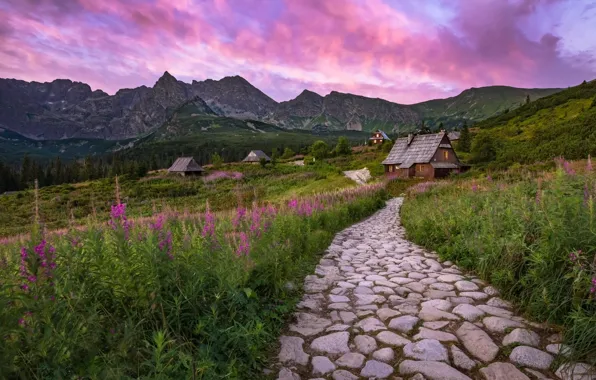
[(186, 166), (255, 156)]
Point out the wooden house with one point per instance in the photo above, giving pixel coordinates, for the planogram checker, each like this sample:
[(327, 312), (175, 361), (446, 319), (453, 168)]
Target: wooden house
[(454, 136), (255, 156), (379, 137), (427, 156), (186, 166)]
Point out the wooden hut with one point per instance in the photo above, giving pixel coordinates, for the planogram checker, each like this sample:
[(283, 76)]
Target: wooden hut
[(427, 156), (379, 137), (186, 166), (255, 156)]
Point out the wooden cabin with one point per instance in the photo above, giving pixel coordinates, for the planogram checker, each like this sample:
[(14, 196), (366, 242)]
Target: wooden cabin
[(379, 137), (426, 156), (186, 166), (454, 136), (255, 156)]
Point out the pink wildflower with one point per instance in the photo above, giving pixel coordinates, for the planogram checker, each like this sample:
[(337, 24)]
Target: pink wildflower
[(589, 164), (243, 246)]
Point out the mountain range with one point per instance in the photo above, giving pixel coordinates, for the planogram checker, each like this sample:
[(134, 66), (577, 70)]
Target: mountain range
[(64, 109)]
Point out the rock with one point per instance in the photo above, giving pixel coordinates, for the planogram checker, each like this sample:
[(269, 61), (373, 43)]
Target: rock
[(404, 323), (376, 369), (286, 374), (291, 351), (343, 375), (500, 371), (530, 357), (309, 324), (435, 325), (442, 336), (386, 313), (426, 349), (468, 312), (460, 300), (558, 348), (365, 344), (477, 342), (496, 311), (461, 360), (384, 354), (430, 314), (491, 291), (335, 343), (442, 286), (371, 324), (351, 360), (431, 370), (347, 317), (440, 304), (438, 294), (576, 371), (334, 298), (474, 295), (322, 365), (497, 302), (450, 278), (466, 286), (392, 339), (522, 336), (339, 306), (346, 285), (337, 327), (499, 325)]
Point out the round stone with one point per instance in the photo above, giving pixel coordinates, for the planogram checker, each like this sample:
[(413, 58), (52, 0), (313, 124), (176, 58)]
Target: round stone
[(426, 349)]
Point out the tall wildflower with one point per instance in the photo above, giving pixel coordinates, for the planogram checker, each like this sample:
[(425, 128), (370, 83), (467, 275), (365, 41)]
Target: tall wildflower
[(568, 169), (589, 164), (209, 226), (538, 198), (243, 246), (118, 219), (255, 225), (240, 214), (37, 267)]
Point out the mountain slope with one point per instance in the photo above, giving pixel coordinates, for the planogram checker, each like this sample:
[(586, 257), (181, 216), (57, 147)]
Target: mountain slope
[(339, 111), (477, 104), (64, 109), (192, 130), (562, 124)]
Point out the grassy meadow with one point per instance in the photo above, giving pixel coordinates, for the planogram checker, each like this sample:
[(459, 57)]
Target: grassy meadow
[(530, 233), (224, 188)]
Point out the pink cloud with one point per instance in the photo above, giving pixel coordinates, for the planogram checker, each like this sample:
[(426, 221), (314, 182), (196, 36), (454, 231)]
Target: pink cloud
[(367, 47)]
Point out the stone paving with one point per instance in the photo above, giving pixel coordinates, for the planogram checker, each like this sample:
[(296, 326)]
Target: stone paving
[(379, 306)]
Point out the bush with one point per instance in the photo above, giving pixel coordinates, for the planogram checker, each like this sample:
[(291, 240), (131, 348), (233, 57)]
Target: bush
[(319, 150)]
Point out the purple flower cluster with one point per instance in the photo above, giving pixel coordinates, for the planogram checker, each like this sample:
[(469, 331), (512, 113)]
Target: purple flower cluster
[(240, 214), (209, 226), (593, 288), (118, 219), (44, 258), (589, 164), (306, 207), (243, 246), (165, 243), (215, 176)]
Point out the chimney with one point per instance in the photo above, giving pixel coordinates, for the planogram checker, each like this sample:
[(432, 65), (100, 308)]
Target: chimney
[(410, 138)]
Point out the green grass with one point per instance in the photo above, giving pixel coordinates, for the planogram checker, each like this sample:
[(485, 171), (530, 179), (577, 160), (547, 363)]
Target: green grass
[(518, 232), (197, 297)]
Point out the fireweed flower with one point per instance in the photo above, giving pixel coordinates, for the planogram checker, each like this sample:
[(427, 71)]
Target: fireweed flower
[(474, 187), (240, 214), (159, 223), (118, 219), (489, 178), (243, 246), (589, 164), (209, 226), (568, 169), (572, 257)]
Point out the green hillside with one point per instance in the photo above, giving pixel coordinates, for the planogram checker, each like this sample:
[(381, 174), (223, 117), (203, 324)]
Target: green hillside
[(477, 104), (14, 146), (562, 124), (200, 135)]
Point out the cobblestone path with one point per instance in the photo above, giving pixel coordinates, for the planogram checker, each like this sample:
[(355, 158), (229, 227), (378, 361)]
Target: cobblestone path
[(381, 307)]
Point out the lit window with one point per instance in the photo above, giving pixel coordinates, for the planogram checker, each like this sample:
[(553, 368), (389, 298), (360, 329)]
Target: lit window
[(445, 154)]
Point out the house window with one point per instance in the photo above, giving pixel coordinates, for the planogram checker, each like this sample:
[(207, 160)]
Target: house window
[(418, 168), (445, 154), (391, 168)]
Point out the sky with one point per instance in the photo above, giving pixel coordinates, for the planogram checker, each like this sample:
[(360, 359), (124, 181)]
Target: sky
[(405, 51)]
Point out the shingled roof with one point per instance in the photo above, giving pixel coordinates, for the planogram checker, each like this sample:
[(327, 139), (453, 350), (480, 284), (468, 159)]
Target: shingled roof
[(255, 156), (385, 137), (454, 135), (184, 165), (420, 151)]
